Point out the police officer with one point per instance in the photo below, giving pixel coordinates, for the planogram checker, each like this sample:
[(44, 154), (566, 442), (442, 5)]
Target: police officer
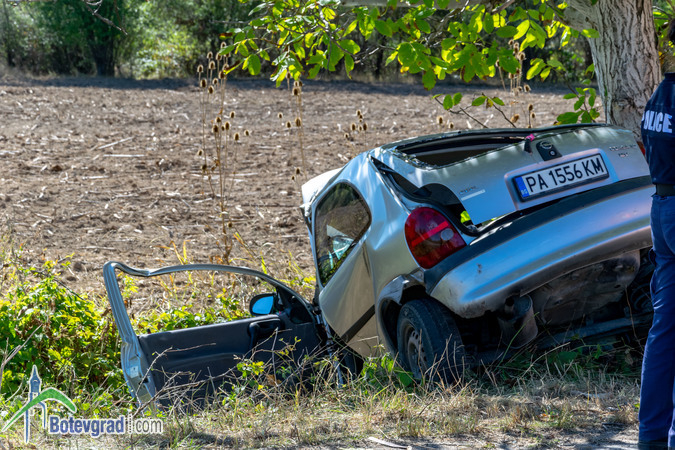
[(657, 394)]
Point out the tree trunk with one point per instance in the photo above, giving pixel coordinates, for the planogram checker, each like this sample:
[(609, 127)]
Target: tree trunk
[(625, 55)]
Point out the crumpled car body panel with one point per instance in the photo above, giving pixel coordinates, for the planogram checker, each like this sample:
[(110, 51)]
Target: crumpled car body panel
[(516, 244)]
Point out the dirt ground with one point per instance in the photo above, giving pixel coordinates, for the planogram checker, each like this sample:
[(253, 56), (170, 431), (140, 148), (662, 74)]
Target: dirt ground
[(108, 169)]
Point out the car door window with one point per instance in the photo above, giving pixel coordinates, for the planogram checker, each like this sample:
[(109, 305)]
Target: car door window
[(342, 217)]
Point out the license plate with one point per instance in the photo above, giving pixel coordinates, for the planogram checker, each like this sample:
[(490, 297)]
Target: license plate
[(560, 177)]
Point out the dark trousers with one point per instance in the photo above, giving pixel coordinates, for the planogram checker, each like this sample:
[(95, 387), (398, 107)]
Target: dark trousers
[(657, 393)]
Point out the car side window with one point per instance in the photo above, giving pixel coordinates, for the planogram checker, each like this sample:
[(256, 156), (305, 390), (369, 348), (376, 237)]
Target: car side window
[(342, 217)]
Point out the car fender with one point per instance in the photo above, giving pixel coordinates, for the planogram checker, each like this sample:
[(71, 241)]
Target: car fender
[(392, 292)]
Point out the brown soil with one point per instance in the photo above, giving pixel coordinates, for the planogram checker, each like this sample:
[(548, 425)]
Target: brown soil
[(108, 169)]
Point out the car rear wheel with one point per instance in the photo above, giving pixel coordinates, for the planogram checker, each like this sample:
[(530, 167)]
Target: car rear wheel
[(429, 343)]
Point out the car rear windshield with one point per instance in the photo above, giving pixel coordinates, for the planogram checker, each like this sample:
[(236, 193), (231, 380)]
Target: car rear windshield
[(442, 152)]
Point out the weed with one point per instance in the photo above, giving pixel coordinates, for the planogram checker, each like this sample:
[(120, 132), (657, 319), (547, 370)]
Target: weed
[(297, 95), (357, 134), (532, 396), (219, 146), (61, 326)]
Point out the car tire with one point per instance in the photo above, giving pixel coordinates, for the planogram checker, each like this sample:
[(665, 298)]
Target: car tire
[(429, 343)]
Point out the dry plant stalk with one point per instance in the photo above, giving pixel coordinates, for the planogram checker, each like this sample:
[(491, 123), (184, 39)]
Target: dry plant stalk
[(358, 129), (297, 94), (218, 150)]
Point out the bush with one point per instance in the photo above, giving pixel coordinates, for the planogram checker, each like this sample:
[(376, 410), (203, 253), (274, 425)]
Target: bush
[(72, 340)]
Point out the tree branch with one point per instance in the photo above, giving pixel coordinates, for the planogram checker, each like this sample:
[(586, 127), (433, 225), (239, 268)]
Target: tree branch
[(461, 111)]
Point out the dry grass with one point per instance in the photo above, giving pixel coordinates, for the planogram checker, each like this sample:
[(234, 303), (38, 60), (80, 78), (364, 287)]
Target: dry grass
[(547, 407)]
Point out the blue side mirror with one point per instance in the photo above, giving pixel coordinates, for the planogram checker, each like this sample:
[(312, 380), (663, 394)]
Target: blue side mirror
[(262, 304)]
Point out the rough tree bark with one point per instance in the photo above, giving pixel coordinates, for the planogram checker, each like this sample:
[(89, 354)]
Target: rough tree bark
[(625, 55)]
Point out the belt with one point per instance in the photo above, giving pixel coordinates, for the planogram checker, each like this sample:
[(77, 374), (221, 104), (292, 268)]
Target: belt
[(665, 190)]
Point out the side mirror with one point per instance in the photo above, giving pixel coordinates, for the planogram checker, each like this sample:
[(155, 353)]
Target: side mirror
[(262, 304)]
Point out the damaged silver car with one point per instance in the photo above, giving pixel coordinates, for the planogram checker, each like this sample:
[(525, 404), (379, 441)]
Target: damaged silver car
[(451, 250)]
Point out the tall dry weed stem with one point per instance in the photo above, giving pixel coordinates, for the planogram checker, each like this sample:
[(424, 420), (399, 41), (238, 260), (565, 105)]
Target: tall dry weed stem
[(296, 92), (357, 134), (219, 148)]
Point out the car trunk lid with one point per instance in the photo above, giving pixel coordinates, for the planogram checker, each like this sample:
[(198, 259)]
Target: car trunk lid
[(497, 172)]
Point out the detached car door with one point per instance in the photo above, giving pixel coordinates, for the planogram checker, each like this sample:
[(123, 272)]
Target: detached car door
[(184, 365)]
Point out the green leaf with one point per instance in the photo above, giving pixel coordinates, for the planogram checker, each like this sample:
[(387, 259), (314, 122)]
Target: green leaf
[(570, 96), (314, 71), (592, 97), (579, 103), (429, 80), (317, 58), (349, 64), (479, 100), (508, 62), (506, 32), (586, 117), (533, 14), (568, 117), (279, 76), (423, 26), (227, 50), (469, 73), (383, 28), (352, 26), (522, 29), (518, 14), (253, 64), (448, 43), (488, 23), (555, 63), (498, 101), (349, 46), (545, 73), (590, 33), (567, 357), (241, 49), (448, 102), (328, 13), (335, 56), (536, 66), (539, 33), (406, 54), (457, 98)]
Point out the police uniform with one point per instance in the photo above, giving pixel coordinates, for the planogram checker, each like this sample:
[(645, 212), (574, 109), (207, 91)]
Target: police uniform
[(657, 394)]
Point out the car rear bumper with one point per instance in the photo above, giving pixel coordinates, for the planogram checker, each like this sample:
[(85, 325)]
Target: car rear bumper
[(532, 250)]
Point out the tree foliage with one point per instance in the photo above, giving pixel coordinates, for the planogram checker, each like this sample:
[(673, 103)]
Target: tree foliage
[(300, 38), (138, 38), (61, 37)]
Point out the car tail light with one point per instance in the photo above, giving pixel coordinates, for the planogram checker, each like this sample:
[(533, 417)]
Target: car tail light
[(642, 148), (431, 237)]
